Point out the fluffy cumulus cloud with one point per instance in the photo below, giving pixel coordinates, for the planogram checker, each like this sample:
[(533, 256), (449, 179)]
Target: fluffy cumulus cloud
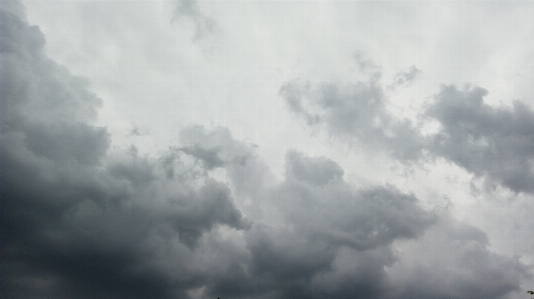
[(207, 218)]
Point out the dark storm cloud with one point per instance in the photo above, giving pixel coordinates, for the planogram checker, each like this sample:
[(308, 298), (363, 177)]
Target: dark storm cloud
[(78, 221), (188, 9), (496, 143)]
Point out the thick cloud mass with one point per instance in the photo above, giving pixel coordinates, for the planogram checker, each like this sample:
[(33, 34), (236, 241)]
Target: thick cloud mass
[(317, 171), (77, 221), (496, 143), (207, 219)]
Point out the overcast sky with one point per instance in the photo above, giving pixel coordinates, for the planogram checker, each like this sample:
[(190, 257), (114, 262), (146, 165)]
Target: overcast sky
[(267, 149)]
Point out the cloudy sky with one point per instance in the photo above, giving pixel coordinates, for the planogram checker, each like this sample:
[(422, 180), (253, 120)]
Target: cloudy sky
[(267, 149)]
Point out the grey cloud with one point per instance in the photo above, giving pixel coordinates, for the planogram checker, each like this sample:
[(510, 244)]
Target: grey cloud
[(362, 220), (494, 143), (318, 171), (452, 260), (367, 66), (328, 235), (137, 131), (360, 274), (287, 256), (292, 93), (60, 142), (14, 7), (28, 43), (213, 205), (405, 77), (330, 240), (355, 112), (208, 157), (188, 9), (217, 147), (78, 220), (445, 259)]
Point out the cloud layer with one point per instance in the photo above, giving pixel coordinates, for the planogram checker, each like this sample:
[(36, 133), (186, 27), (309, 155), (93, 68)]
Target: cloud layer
[(207, 218)]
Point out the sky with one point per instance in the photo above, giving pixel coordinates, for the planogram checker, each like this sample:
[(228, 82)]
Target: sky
[(266, 149)]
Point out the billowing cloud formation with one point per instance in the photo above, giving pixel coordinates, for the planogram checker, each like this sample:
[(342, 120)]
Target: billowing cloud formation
[(326, 207), (206, 218), (494, 143), (78, 221)]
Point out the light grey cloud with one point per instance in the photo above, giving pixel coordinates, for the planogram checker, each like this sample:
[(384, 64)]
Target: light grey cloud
[(452, 260), (405, 78), (355, 112), (334, 212), (135, 131), (188, 9), (292, 93), (367, 66)]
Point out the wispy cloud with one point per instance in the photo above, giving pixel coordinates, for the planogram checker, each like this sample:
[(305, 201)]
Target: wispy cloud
[(189, 10)]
